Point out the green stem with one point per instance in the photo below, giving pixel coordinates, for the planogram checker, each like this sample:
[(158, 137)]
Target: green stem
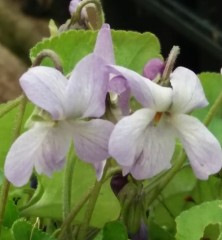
[(75, 210), (48, 53), (6, 184), (67, 187), (7, 107), (213, 110), (166, 179), (91, 205)]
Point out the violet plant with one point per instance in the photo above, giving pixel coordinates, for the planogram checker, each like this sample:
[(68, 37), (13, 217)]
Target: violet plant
[(109, 141)]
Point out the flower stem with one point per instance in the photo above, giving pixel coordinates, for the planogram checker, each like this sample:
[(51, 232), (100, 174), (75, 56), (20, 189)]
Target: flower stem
[(7, 107), (91, 205), (67, 188), (75, 210), (166, 178), (16, 133), (48, 53), (213, 109)]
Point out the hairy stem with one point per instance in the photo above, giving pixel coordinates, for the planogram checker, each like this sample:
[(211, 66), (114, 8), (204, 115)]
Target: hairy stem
[(211, 113), (91, 205), (7, 107), (67, 187)]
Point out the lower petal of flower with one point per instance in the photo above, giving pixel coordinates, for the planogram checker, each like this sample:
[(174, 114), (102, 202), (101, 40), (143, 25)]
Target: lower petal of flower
[(202, 148)]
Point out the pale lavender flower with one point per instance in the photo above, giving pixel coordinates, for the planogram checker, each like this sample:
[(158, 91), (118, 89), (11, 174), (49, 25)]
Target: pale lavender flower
[(143, 143), (70, 104)]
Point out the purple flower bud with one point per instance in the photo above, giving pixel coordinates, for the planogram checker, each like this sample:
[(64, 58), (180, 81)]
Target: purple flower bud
[(118, 182), (153, 67), (142, 233)]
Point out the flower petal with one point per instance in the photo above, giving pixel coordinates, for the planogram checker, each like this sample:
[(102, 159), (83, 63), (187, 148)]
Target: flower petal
[(53, 148), (140, 147), (99, 166), (188, 93), (73, 6), (119, 85), (202, 148), (148, 93), (45, 87), (87, 88), (37, 147), (104, 45), (91, 139)]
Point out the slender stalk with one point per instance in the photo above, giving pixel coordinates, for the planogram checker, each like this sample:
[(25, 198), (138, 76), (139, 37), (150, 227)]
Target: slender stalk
[(166, 179), (211, 113), (67, 187), (7, 107), (48, 53), (75, 210), (6, 184), (91, 205)]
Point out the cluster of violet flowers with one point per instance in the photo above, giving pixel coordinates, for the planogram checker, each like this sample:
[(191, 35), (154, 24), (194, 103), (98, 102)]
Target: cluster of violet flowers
[(73, 110)]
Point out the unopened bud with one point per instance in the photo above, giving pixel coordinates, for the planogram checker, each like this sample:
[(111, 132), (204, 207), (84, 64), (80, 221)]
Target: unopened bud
[(153, 68), (118, 182), (142, 233)]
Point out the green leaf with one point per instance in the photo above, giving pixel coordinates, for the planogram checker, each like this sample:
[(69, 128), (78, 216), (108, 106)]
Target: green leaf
[(11, 214), (157, 232), (114, 230), (193, 223), (7, 125), (174, 198), (212, 84), (50, 202), (24, 230), (207, 190), (131, 49)]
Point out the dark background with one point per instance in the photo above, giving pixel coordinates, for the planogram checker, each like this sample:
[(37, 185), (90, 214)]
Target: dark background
[(194, 25)]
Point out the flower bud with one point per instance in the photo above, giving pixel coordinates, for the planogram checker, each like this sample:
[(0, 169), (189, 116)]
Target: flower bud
[(153, 68), (132, 207), (142, 233), (118, 182), (132, 217)]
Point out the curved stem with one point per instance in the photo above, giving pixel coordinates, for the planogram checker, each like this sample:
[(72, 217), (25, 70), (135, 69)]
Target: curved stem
[(91, 205), (77, 15), (50, 54), (6, 183)]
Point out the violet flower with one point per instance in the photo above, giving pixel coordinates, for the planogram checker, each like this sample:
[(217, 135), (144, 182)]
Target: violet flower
[(143, 143), (70, 104)]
